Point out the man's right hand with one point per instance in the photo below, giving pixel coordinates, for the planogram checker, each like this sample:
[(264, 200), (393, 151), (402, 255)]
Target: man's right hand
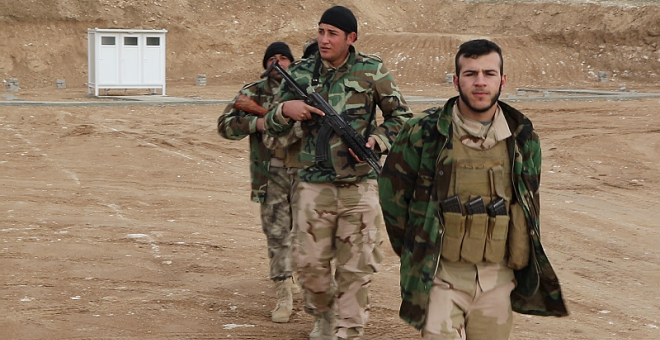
[(299, 110), (260, 124)]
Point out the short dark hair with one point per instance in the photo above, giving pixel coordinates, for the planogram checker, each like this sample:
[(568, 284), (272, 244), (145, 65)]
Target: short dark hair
[(477, 48)]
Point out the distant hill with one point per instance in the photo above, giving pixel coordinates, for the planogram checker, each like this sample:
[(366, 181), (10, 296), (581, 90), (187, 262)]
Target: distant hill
[(558, 43)]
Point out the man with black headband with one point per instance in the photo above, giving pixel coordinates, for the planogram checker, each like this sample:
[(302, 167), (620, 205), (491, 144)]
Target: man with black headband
[(460, 198), (273, 174), (339, 212)]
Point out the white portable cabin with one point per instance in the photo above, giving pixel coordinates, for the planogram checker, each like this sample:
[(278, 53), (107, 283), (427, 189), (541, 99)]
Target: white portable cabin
[(125, 59)]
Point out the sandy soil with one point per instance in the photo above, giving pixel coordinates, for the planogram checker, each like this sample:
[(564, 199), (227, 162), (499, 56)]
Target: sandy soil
[(135, 222)]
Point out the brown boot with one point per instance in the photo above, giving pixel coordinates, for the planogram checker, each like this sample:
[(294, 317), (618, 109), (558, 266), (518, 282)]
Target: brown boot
[(324, 326), (316, 331), (284, 306)]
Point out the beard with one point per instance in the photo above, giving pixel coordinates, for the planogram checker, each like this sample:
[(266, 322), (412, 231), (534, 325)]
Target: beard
[(275, 75), (467, 103)]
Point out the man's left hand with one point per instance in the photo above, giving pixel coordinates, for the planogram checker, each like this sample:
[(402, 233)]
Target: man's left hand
[(371, 142)]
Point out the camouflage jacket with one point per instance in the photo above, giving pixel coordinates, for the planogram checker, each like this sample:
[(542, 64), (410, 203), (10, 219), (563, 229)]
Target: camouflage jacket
[(353, 90), (237, 124), (418, 170)]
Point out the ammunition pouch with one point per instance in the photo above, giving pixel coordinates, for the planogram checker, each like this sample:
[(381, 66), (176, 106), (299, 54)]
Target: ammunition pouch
[(453, 237), (498, 228), (475, 238), (474, 241)]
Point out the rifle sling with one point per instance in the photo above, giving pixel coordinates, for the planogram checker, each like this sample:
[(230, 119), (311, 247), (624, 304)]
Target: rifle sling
[(317, 71)]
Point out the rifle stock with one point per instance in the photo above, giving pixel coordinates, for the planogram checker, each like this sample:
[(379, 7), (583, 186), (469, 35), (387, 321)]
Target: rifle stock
[(246, 104), (331, 122)]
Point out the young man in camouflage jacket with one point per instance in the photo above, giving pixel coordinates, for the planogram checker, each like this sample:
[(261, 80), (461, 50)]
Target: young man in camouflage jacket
[(273, 175), (464, 270), (338, 215)]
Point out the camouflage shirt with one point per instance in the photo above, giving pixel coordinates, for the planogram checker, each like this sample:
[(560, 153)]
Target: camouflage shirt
[(237, 124), (418, 170), (354, 90)]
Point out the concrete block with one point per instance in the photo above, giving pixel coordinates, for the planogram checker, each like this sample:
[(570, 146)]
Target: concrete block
[(60, 83), (201, 80), (11, 85), (8, 96), (449, 78), (602, 76)]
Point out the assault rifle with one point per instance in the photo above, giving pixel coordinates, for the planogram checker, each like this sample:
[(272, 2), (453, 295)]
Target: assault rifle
[(331, 122)]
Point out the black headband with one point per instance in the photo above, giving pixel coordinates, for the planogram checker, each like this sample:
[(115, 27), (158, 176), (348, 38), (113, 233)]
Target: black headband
[(340, 17), (277, 47)]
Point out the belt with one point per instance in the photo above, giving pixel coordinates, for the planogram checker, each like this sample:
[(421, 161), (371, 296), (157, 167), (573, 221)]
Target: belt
[(276, 162)]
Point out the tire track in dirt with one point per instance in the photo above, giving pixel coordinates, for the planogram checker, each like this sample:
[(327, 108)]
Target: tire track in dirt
[(596, 218), (39, 153)]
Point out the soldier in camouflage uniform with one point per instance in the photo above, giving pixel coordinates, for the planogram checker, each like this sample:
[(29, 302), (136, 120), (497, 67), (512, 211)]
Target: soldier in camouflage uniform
[(464, 270), (273, 175), (339, 215)]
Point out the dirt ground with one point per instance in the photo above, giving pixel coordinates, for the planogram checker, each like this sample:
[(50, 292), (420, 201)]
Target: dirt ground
[(135, 222)]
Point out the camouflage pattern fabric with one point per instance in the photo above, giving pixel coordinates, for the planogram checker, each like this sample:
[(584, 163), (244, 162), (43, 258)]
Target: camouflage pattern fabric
[(277, 222), (456, 315), (339, 221), (237, 124), (420, 160), (353, 90), (273, 187), (290, 143)]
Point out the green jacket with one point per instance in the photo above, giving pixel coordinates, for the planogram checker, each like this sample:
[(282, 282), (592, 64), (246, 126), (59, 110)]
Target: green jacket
[(418, 170), (354, 90), (237, 124)]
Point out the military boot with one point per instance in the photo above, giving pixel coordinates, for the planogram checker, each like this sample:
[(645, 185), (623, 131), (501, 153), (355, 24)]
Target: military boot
[(324, 326), (316, 331), (295, 285), (282, 311)]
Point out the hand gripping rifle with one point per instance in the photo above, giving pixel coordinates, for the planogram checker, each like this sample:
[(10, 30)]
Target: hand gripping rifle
[(245, 103), (331, 122)]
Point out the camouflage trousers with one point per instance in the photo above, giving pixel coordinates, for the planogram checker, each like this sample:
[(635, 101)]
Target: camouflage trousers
[(456, 315), (277, 220), (339, 222)]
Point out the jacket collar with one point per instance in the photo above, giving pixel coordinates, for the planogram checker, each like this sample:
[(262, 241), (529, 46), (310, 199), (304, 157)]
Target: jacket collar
[(350, 61), (520, 126)]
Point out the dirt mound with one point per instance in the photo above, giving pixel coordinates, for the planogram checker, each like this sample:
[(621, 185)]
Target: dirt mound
[(546, 44)]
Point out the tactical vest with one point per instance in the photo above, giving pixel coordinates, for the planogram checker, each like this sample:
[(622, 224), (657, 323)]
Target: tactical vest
[(486, 174)]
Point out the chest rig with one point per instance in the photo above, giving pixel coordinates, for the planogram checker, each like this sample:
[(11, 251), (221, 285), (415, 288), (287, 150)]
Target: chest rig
[(479, 178)]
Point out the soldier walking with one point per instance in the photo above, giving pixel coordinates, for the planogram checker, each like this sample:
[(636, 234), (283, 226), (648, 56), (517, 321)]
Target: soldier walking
[(460, 198), (339, 214), (273, 174)]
